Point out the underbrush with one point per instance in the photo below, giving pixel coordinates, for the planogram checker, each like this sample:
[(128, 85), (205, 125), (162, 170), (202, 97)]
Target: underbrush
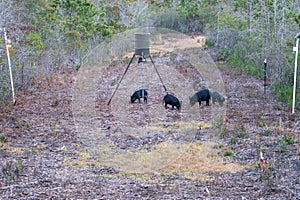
[(285, 94), (284, 91)]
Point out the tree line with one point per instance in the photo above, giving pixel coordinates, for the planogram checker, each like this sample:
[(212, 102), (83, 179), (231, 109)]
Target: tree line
[(51, 35)]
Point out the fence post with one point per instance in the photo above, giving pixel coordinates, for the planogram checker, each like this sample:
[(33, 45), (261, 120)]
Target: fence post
[(8, 45), (265, 75), (295, 71)]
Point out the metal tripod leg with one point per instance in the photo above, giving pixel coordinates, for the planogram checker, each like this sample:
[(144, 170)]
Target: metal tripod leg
[(121, 80), (158, 74)]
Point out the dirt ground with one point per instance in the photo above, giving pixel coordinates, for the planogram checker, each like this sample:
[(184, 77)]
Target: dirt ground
[(147, 151)]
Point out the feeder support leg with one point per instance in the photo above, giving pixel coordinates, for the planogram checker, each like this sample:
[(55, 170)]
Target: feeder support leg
[(158, 74), (121, 79)]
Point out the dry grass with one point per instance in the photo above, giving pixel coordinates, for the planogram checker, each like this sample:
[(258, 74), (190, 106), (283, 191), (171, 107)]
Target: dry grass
[(190, 160), (203, 157), (179, 126)]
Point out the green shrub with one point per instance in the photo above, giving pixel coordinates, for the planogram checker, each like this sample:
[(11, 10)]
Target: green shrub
[(183, 16), (228, 152), (2, 138), (253, 70), (233, 140), (284, 141), (285, 93), (242, 134), (209, 44), (289, 139)]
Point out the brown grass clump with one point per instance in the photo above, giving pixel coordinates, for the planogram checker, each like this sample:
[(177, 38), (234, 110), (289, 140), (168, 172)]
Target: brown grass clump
[(202, 158)]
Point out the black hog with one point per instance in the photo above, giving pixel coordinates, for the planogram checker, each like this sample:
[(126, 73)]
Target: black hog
[(172, 100), (202, 95), (138, 95), (217, 97)]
